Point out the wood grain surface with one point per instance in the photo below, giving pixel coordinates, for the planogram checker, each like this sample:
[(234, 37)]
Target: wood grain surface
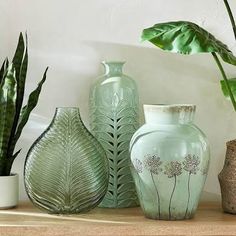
[(28, 221)]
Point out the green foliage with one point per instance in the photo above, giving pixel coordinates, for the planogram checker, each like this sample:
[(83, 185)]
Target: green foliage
[(186, 38), (12, 116), (232, 83)]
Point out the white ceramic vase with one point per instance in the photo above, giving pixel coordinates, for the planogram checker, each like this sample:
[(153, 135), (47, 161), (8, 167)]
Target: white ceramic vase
[(9, 186), (170, 157)]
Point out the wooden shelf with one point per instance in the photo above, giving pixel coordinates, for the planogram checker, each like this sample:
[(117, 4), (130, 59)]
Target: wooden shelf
[(28, 221)]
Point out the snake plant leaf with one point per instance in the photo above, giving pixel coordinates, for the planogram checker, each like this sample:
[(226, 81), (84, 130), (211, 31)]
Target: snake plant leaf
[(26, 110), (8, 93), (22, 74), (20, 62), (23, 56), (19, 54), (8, 163), (3, 69), (232, 84), (186, 37)]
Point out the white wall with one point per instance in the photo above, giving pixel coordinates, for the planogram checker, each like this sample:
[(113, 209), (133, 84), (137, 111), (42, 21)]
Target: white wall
[(73, 36)]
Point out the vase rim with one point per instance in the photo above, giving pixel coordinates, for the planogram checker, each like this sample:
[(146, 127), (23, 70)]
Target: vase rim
[(169, 113), (57, 108), (231, 143), (113, 62), (171, 107)]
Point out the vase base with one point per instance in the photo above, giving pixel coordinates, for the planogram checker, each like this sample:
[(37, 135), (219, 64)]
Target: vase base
[(7, 207), (167, 218), (229, 211), (229, 208), (228, 192), (133, 205)]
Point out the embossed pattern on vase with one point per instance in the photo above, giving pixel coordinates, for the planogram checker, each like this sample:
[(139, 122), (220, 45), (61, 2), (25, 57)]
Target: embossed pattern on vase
[(113, 121), (66, 169), (173, 170)]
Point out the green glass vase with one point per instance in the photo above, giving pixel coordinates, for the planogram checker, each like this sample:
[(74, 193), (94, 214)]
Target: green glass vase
[(113, 120), (66, 170), (170, 157)]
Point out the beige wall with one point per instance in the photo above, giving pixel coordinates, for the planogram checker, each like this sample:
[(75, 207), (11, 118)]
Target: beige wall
[(73, 36)]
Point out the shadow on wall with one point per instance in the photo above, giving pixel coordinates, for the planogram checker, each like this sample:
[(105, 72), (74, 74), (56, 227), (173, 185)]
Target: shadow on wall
[(160, 75)]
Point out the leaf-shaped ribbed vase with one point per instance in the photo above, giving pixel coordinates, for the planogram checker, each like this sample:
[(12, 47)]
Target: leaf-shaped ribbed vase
[(66, 169), (113, 121)]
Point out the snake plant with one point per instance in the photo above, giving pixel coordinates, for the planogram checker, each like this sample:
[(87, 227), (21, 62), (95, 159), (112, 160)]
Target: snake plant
[(13, 115), (188, 38)]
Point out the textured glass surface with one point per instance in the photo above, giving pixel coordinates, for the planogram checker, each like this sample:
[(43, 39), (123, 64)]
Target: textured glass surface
[(66, 170), (170, 157), (113, 121)]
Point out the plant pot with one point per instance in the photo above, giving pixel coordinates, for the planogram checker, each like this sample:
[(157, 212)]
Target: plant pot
[(170, 157), (227, 179), (9, 186)]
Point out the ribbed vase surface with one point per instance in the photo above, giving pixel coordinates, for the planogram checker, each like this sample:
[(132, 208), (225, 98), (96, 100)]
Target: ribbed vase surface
[(66, 170)]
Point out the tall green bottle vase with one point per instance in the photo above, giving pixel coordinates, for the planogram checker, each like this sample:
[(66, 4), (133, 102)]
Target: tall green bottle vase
[(114, 109)]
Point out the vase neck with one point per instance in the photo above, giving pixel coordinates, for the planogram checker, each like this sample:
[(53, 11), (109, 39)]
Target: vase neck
[(113, 68), (69, 112), (231, 150), (169, 114)]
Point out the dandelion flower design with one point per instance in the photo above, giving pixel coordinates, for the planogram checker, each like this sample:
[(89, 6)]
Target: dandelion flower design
[(152, 163), (173, 169), (204, 170), (191, 165), (138, 165)]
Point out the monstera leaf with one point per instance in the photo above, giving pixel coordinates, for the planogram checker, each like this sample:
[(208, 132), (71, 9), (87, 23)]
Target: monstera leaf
[(186, 38), (232, 83)]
